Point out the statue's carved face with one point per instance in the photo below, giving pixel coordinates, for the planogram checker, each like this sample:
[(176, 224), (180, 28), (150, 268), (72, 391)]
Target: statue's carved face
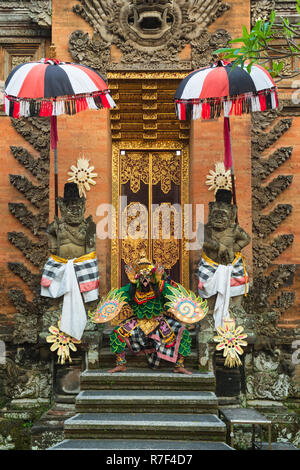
[(221, 215), (72, 212), (148, 23)]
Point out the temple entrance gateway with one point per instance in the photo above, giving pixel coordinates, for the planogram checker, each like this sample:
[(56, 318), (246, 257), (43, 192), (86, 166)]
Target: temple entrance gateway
[(150, 174), (150, 211)]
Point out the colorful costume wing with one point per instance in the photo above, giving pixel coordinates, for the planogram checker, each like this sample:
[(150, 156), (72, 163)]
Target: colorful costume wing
[(109, 307), (184, 304)]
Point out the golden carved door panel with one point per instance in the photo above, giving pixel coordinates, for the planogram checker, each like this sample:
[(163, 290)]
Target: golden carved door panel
[(151, 191)]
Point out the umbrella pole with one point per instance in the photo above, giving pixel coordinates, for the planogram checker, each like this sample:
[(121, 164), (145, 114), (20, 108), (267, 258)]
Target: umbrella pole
[(227, 123), (54, 139), (55, 181)]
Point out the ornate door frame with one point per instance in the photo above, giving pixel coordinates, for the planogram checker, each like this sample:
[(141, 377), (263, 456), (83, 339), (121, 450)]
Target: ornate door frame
[(116, 192)]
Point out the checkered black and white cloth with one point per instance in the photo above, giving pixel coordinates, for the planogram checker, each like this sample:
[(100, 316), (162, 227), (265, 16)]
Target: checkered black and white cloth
[(239, 280), (224, 281), (86, 272), (70, 279), (153, 346)]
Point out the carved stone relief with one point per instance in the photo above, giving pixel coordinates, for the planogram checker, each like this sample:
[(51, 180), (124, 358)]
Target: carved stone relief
[(267, 247), (261, 9), (146, 32), (36, 132)]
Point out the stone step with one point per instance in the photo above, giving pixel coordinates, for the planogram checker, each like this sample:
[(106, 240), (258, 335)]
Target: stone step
[(138, 444), (146, 401), (191, 427), (107, 360), (146, 379)]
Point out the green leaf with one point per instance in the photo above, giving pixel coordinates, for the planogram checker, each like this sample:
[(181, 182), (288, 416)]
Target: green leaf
[(249, 66), (272, 16), (245, 32), (280, 66), (236, 40), (223, 49)]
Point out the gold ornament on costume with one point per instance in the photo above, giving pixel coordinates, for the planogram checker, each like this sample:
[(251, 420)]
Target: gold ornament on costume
[(125, 312), (219, 179), (230, 340), (144, 267), (82, 175), (62, 343)]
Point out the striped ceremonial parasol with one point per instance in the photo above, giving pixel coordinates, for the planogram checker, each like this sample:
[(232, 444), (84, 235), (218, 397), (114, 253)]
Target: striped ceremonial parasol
[(49, 88), (221, 88)]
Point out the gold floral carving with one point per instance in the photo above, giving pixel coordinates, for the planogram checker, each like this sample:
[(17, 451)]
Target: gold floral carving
[(165, 169), (134, 168), (126, 250), (134, 232), (142, 75), (165, 243)]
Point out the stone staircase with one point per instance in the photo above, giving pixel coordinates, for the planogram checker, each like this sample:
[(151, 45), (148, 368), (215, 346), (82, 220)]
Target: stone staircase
[(142, 409)]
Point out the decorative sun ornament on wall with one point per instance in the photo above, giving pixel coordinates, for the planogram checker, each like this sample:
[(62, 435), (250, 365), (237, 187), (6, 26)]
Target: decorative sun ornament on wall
[(219, 178), (230, 340), (62, 343), (83, 175)]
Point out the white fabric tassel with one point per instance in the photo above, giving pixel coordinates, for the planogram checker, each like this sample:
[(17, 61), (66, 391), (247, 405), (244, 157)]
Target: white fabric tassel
[(58, 108), (91, 103), (227, 108), (273, 99), (7, 106), (110, 100), (54, 108), (255, 104), (197, 111), (24, 108)]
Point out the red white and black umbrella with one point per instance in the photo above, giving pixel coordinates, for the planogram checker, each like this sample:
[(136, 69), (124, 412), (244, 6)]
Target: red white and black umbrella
[(223, 89), (49, 88)]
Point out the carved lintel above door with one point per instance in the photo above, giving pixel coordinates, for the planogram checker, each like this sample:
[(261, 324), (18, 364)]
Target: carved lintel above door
[(150, 35)]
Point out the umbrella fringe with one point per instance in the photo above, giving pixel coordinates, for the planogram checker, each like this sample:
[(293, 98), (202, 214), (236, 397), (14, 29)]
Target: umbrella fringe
[(16, 107), (212, 108)]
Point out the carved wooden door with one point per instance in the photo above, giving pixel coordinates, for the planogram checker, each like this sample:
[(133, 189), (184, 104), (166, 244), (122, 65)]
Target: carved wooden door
[(150, 186)]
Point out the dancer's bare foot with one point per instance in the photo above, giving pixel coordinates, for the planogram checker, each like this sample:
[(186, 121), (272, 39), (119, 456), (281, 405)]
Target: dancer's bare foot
[(182, 370), (117, 369)]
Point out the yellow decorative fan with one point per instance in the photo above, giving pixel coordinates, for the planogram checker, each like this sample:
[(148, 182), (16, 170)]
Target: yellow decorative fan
[(62, 343), (184, 304), (109, 307), (230, 340)]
